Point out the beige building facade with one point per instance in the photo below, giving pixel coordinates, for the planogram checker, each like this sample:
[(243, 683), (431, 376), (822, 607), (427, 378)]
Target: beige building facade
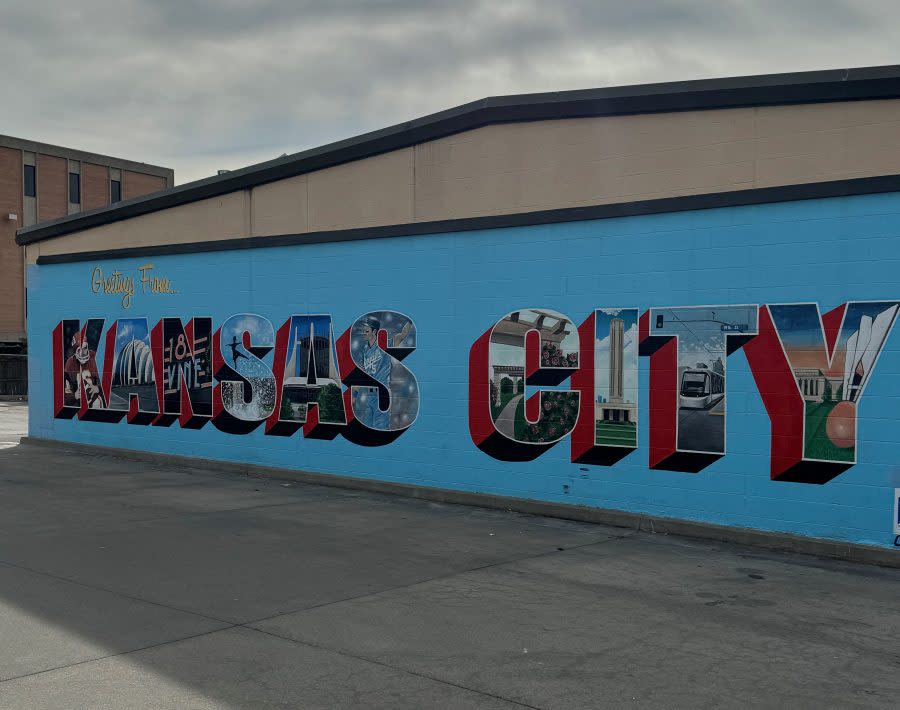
[(513, 167)]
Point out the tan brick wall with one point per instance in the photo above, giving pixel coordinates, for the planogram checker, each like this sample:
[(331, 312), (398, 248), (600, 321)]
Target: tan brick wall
[(94, 186), (137, 184), (12, 305), (52, 187), (577, 162), (534, 166), (198, 221), (370, 192), (279, 205)]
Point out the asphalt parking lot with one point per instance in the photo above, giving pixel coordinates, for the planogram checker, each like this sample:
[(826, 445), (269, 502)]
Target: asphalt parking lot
[(126, 585)]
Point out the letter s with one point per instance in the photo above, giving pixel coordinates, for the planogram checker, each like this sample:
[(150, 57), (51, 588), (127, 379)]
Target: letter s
[(382, 399)]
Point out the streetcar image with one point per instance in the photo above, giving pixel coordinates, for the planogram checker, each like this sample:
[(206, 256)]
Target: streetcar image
[(700, 388)]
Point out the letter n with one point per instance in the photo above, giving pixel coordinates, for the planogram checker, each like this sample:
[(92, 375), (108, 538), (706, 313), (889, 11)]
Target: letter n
[(183, 362)]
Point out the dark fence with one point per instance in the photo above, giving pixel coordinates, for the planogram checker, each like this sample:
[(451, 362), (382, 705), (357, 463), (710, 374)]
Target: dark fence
[(13, 375)]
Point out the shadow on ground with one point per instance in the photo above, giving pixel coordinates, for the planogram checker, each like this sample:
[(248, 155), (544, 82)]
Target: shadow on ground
[(131, 585)]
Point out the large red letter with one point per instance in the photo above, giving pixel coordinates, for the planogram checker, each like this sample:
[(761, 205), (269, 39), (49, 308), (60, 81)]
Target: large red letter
[(811, 371), (76, 379), (688, 348), (307, 380), (527, 347), (183, 361), (382, 399), (606, 429)]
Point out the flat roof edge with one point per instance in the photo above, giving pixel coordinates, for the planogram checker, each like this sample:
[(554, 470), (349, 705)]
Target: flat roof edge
[(866, 83), (86, 156), (685, 203)]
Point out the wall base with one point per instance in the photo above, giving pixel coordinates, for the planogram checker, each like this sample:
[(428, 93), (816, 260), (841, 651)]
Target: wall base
[(782, 542)]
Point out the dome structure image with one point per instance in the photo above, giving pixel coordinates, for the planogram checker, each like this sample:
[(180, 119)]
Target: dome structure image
[(135, 365)]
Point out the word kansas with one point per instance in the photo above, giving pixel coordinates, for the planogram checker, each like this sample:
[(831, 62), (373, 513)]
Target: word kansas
[(535, 379), (354, 385), (811, 370)]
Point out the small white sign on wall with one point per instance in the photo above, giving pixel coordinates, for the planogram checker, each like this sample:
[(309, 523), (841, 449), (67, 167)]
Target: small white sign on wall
[(897, 511)]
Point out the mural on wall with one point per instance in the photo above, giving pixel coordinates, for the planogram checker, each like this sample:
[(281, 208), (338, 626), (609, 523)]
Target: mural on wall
[(383, 396), (607, 431), (688, 349), (531, 347), (184, 380), (308, 380), (616, 362), (132, 382), (534, 379), (812, 370), (245, 394), (78, 385), (356, 385)]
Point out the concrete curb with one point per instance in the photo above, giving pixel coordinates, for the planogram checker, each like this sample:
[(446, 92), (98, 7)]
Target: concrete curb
[(783, 542)]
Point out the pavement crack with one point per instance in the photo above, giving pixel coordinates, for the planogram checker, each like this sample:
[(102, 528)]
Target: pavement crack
[(115, 655), (382, 664), (114, 592)]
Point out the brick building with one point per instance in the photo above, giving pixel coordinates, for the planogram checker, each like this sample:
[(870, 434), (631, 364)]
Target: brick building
[(39, 183)]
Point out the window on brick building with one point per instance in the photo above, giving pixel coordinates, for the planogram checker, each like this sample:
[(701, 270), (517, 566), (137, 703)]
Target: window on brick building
[(75, 188), (30, 181), (115, 190)]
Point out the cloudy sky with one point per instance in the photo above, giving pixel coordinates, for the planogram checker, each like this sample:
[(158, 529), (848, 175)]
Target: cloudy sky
[(200, 85)]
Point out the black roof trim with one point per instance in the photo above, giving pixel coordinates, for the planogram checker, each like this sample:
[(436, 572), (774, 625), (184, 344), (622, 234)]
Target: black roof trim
[(735, 198), (764, 90)]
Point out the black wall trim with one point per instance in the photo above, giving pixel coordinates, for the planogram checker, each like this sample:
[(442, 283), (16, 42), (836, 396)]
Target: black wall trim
[(737, 198), (766, 90)]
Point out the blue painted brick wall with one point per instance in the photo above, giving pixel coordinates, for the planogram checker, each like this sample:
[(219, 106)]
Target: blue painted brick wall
[(456, 285)]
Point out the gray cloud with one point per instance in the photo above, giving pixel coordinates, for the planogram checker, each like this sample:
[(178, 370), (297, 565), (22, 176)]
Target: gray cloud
[(200, 85)]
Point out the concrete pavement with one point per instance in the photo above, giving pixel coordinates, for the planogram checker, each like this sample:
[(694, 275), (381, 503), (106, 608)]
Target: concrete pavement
[(130, 585), (13, 422)]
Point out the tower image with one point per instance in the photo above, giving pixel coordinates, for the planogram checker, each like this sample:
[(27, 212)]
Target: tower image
[(616, 357), (616, 411)]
